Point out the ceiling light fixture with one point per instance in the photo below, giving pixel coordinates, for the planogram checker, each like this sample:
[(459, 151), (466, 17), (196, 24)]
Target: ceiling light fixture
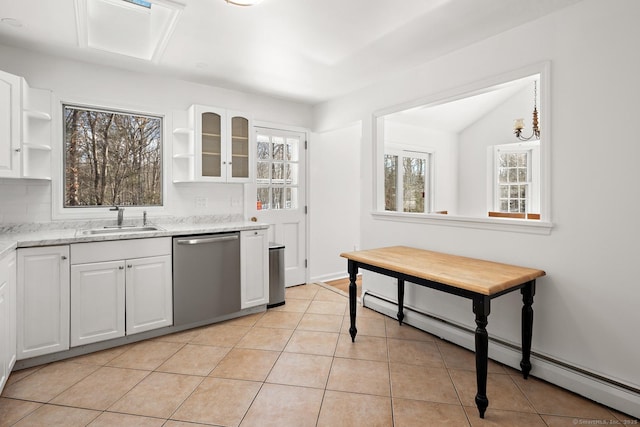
[(518, 125), (243, 2)]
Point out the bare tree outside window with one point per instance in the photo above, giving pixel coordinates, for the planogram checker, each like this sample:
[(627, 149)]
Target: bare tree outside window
[(277, 171), (390, 182), (413, 184), (111, 158)]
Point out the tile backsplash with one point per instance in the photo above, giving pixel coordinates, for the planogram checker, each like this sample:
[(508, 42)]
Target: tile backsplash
[(24, 200), (29, 201)]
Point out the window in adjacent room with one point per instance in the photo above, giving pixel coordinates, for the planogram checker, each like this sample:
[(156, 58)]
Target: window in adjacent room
[(406, 181), (517, 178), (111, 158)]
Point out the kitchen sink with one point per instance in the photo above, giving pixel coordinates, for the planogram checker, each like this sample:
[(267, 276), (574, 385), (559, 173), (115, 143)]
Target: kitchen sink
[(122, 229)]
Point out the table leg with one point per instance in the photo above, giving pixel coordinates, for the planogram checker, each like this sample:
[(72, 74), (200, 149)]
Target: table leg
[(481, 308), (353, 298), (400, 300), (527, 326)]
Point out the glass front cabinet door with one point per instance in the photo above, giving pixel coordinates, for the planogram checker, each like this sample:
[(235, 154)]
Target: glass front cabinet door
[(223, 145), (240, 149)]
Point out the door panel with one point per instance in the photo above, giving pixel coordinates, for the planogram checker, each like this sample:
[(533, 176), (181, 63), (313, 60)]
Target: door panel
[(97, 302), (278, 197), (149, 294)]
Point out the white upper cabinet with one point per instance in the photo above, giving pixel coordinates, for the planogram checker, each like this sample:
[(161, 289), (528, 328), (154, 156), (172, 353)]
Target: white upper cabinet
[(212, 145), (10, 107), (25, 129), (239, 166)]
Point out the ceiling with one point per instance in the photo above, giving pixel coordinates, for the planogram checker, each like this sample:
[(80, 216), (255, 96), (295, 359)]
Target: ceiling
[(304, 50), (455, 115)]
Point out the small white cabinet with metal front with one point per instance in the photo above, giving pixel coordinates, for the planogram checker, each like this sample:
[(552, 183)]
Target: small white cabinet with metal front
[(119, 288), (7, 316), (43, 300), (254, 268)]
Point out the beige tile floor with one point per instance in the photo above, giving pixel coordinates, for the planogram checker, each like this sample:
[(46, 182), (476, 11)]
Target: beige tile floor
[(291, 366)]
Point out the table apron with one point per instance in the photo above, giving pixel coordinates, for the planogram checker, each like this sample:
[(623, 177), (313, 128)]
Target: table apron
[(354, 265)]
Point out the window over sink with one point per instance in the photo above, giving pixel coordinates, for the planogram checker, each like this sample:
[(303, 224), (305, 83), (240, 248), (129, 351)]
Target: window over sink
[(111, 158)]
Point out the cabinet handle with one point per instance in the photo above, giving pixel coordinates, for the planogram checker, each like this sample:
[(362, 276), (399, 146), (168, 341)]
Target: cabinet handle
[(207, 240), (17, 150), (129, 265), (121, 267), (63, 257)]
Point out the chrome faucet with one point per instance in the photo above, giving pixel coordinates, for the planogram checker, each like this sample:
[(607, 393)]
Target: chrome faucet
[(120, 211)]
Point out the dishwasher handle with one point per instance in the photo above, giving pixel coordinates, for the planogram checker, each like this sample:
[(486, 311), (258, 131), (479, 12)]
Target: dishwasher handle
[(206, 240)]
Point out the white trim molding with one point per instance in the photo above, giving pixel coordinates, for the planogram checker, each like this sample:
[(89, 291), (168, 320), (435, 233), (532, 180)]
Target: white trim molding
[(500, 224)]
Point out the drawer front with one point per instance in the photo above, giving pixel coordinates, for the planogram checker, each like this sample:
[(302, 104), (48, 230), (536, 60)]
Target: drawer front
[(113, 250)]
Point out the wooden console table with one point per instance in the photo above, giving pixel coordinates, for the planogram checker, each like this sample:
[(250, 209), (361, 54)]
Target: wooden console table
[(478, 280)]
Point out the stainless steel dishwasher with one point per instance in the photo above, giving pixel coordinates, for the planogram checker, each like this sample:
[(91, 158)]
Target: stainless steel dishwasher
[(206, 277)]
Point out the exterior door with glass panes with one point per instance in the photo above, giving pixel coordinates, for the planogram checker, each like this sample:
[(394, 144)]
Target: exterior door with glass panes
[(278, 195)]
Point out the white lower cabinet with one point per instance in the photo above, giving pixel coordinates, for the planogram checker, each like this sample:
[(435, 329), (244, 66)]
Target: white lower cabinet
[(97, 302), (149, 294), (112, 297), (43, 300), (8, 345), (254, 268)]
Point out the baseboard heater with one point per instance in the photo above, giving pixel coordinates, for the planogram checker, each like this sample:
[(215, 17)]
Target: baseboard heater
[(614, 394)]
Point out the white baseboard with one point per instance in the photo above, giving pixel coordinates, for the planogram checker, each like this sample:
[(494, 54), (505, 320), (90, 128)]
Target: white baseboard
[(574, 379), (329, 277)]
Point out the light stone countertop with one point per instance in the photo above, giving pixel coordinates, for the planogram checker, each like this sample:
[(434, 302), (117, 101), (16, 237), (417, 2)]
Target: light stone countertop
[(24, 236)]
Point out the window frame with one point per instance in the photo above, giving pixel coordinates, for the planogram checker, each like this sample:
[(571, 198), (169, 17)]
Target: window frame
[(58, 210), (543, 226), (272, 183), (402, 151), (532, 148)]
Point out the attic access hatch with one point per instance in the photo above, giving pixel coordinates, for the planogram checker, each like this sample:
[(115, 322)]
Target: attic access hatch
[(140, 29)]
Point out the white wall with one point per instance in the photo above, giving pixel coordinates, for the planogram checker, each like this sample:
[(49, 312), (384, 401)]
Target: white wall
[(494, 128), (334, 161), (30, 201), (586, 306)]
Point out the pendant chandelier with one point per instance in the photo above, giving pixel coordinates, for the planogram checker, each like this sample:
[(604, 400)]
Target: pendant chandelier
[(518, 125)]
